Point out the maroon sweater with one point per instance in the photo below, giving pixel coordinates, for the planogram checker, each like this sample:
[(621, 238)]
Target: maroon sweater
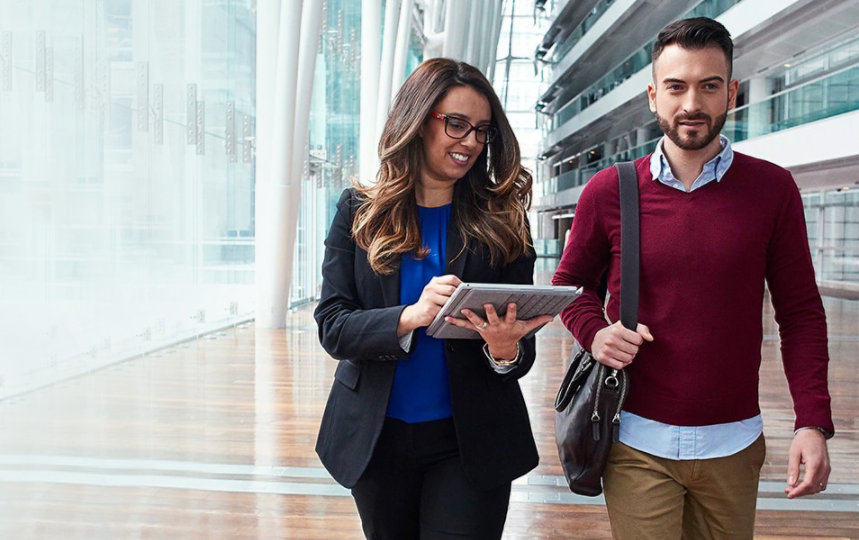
[(705, 256)]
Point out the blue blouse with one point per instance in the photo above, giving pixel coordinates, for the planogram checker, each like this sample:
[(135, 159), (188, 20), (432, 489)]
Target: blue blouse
[(421, 390)]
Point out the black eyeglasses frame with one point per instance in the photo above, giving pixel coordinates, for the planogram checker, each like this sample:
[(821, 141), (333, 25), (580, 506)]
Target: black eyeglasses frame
[(486, 132)]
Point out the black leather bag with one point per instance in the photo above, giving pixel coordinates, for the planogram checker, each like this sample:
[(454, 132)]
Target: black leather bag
[(588, 405)]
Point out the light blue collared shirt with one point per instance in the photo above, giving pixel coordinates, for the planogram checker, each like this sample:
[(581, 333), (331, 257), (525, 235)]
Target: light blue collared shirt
[(689, 442), (714, 169)]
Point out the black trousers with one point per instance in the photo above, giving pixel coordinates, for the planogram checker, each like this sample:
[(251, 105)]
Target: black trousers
[(415, 488)]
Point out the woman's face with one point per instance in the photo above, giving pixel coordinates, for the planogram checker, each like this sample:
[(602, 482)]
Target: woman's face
[(445, 159)]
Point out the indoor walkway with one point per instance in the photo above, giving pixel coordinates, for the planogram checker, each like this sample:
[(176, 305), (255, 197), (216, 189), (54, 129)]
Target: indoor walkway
[(214, 439)]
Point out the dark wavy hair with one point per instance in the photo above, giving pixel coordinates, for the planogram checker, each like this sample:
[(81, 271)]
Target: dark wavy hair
[(695, 33), (489, 203)]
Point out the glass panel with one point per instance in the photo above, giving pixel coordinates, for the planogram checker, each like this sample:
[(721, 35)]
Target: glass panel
[(125, 222), (830, 96), (833, 235)]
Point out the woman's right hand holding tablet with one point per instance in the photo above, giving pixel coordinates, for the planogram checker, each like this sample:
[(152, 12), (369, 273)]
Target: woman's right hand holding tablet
[(432, 298)]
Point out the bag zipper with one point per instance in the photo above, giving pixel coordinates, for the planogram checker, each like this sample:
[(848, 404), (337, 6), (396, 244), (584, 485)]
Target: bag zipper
[(611, 381)]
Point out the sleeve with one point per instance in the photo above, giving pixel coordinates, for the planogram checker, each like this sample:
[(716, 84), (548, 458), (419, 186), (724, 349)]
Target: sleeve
[(799, 314), (584, 263), (346, 328)]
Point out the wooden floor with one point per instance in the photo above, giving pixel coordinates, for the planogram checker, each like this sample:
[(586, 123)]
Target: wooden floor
[(214, 440)]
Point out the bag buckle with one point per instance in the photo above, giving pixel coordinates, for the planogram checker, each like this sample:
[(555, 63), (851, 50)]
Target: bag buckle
[(611, 381)]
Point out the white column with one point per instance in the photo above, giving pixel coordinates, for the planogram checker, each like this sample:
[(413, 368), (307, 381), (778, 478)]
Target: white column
[(311, 22), (389, 42), (479, 36), (273, 253), (433, 28), (494, 33), (370, 24), (640, 136), (436, 17), (472, 34), (401, 51), (280, 162), (455, 27)]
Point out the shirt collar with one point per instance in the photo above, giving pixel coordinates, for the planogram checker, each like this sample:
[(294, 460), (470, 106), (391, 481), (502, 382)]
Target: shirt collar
[(714, 169)]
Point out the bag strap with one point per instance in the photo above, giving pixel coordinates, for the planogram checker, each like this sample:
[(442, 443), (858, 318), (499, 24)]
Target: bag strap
[(629, 243)]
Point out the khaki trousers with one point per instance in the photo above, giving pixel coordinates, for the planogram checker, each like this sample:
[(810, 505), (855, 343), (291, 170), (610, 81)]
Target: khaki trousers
[(662, 499)]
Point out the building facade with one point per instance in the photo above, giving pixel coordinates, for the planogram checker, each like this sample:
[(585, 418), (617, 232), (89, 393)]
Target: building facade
[(797, 63)]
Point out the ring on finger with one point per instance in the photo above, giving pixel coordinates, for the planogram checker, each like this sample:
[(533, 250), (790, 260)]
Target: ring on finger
[(482, 326)]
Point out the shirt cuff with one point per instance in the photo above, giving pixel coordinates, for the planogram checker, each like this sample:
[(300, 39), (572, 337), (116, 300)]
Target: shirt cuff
[(825, 432), (406, 341), (502, 367)]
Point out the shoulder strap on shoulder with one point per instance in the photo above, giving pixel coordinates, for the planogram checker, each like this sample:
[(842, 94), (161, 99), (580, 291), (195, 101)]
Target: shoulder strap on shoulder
[(629, 243)]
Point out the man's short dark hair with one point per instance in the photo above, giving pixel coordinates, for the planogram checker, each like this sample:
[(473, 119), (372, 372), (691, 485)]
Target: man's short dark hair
[(695, 33)]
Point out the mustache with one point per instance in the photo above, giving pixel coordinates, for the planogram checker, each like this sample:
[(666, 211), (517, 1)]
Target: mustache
[(692, 117)]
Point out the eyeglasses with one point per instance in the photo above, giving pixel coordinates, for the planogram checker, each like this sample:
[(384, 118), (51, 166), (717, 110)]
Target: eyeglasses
[(457, 128)]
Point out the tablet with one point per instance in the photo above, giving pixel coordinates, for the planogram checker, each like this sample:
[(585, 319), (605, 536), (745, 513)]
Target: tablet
[(531, 301)]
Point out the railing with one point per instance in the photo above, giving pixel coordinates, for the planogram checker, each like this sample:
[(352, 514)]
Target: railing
[(827, 96), (561, 49), (580, 176)]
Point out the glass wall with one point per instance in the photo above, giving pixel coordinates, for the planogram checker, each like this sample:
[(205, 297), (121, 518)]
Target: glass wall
[(515, 73), (332, 144), (833, 235), (335, 116), (126, 178)]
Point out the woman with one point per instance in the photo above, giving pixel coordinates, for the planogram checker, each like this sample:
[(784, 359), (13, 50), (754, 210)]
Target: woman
[(427, 433)]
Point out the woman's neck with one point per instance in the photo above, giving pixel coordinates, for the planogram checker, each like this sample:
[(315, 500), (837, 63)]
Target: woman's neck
[(433, 196)]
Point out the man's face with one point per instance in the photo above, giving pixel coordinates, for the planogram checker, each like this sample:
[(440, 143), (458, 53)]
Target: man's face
[(691, 95)]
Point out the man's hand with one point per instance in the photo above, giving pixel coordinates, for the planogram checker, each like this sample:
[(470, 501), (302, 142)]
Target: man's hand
[(808, 451), (616, 346)]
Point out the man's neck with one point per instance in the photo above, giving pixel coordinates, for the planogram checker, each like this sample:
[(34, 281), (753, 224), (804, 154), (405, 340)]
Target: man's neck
[(686, 165)]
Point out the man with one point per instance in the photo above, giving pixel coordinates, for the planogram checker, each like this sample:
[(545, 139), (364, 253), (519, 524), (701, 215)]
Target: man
[(716, 225)]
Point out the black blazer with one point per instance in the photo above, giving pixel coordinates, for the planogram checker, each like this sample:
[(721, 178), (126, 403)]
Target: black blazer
[(358, 315)]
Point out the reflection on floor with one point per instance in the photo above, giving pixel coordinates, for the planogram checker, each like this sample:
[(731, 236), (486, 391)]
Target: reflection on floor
[(214, 439)]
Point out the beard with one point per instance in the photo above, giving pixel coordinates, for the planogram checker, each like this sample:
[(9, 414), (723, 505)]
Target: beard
[(696, 139)]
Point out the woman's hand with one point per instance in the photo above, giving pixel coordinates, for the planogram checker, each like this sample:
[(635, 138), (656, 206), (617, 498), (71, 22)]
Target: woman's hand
[(500, 334), (432, 298)]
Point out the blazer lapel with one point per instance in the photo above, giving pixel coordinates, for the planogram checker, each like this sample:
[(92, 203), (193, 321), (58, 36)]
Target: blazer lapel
[(454, 245)]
